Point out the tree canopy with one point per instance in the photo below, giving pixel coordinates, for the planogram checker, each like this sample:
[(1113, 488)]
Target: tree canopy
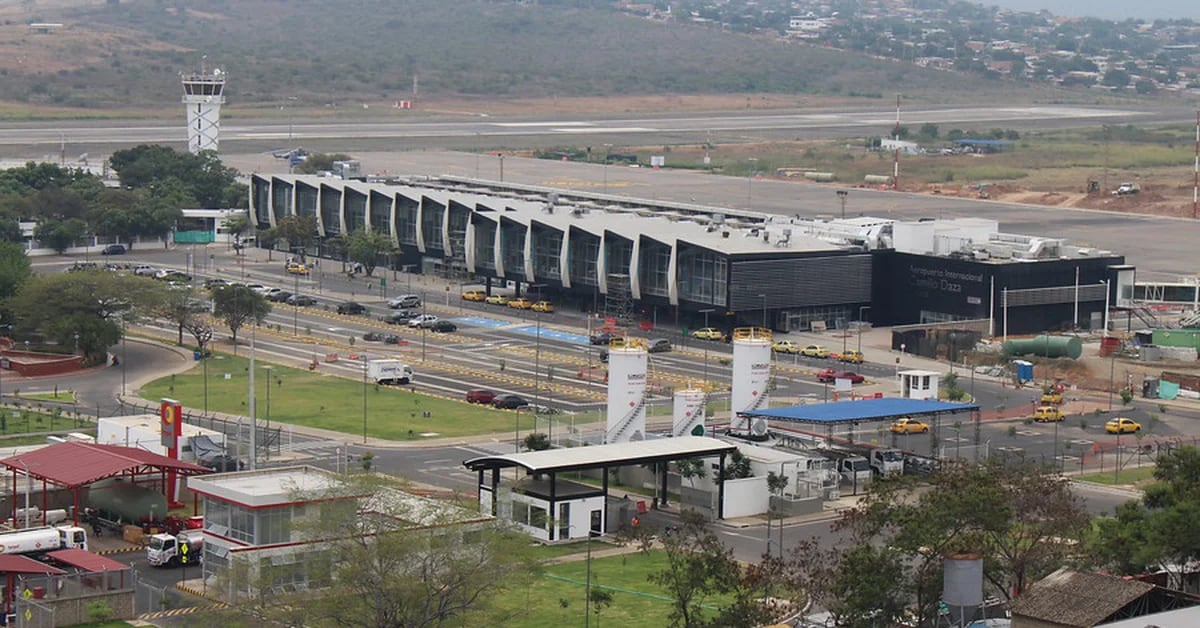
[(91, 304), (1021, 519), (237, 305), (199, 180), (366, 246)]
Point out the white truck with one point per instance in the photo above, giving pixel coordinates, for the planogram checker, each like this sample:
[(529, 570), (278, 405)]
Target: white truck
[(41, 540), (887, 461), (389, 371), (185, 548)]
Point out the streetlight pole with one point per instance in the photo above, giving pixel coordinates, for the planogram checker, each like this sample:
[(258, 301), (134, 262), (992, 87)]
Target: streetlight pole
[(860, 325), (764, 321), (750, 182), (706, 312), (363, 357), (842, 194)]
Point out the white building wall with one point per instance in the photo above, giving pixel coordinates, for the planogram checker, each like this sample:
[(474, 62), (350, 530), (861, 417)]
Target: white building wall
[(746, 497)]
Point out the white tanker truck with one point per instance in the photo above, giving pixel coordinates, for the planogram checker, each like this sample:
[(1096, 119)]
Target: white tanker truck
[(42, 540)]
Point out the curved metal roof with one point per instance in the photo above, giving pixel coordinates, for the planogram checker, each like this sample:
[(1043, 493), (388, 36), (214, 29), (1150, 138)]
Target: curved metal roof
[(616, 454), (880, 409)]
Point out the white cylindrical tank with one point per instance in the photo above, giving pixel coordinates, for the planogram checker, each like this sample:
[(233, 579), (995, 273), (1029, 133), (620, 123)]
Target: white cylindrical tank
[(689, 413), (626, 391), (962, 586), (751, 376)]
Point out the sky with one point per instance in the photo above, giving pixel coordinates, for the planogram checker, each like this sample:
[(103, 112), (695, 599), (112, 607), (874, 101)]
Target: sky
[(1148, 10)]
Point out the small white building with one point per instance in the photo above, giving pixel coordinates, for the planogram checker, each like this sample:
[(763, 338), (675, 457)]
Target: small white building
[(918, 384), (144, 431)]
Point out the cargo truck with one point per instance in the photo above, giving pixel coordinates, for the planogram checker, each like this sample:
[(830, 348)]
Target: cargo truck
[(42, 540), (389, 371), (185, 548)]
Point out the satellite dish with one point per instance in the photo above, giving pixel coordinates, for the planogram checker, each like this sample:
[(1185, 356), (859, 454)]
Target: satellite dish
[(758, 427), (217, 72)]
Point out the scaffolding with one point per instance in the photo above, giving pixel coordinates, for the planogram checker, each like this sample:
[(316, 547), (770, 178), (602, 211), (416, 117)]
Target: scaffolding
[(618, 299), (455, 266)]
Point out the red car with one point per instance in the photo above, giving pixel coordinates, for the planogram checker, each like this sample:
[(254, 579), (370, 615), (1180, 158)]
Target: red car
[(480, 395), (828, 375)]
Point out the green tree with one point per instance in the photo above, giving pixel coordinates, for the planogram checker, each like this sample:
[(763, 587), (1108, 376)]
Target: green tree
[(59, 234), (365, 247), (537, 442), (1020, 518), (299, 231), (237, 305), (701, 573), (181, 307), (201, 178), (1159, 530), (14, 268), (91, 304), (268, 238)]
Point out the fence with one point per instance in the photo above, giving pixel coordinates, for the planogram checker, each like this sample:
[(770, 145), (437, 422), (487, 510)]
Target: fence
[(74, 598), (269, 440)]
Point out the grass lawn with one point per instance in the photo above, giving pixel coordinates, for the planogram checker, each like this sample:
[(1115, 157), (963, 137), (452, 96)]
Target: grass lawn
[(557, 598), (65, 396), (25, 417), (320, 400), (1136, 475)]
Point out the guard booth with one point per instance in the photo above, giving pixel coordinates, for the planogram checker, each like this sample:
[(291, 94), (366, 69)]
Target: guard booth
[(919, 384)]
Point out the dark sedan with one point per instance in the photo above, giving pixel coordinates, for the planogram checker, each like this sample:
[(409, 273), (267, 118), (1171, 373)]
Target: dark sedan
[(443, 327), (279, 297), (351, 308), (301, 300), (509, 402)]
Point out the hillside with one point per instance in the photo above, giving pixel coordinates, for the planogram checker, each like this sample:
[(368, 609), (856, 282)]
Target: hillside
[(305, 53)]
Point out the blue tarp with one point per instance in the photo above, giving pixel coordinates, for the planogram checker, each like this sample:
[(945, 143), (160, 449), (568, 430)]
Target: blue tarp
[(861, 410)]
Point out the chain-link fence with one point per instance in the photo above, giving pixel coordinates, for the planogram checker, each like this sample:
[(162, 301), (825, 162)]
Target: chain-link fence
[(148, 598)]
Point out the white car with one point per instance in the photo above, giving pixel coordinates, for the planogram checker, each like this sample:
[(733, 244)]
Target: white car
[(259, 288), (423, 320), (145, 270)]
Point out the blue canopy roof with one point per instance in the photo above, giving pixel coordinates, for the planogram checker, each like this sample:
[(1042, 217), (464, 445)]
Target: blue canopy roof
[(880, 409)]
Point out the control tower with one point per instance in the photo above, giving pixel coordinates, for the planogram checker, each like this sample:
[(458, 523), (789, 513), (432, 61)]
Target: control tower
[(203, 95)]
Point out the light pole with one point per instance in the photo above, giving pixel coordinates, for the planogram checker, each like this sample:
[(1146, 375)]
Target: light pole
[(764, 321), (860, 325), (363, 357), (607, 152), (750, 182), (125, 359), (706, 312), (537, 352), (842, 194), (296, 308), (501, 156)]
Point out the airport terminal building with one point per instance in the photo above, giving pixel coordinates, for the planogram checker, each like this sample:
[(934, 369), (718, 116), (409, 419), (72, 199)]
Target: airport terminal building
[(649, 261)]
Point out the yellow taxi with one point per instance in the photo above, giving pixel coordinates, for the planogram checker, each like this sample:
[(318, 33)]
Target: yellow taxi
[(474, 295), (542, 306), (853, 356), (815, 351), (1052, 397), (296, 268), (908, 425), (708, 333), (1047, 414), (1122, 425), (498, 299), (785, 346), (520, 303)]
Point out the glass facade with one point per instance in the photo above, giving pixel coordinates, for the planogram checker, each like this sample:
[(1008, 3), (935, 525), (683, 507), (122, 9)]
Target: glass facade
[(283, 201), (356, 211), (406, 221), (485, 245), (512, 247), (547, 249), (381, 213), (331, 216), (262, 201), (654, 267), (432, 213), (582, 255), (306, 200), (703, 276), (618, 252)]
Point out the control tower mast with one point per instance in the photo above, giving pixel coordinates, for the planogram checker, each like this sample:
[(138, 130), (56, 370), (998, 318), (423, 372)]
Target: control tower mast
[(203, 95)]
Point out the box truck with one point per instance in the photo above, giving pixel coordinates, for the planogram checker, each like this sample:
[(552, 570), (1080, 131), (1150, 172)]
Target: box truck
[(389, 372)]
